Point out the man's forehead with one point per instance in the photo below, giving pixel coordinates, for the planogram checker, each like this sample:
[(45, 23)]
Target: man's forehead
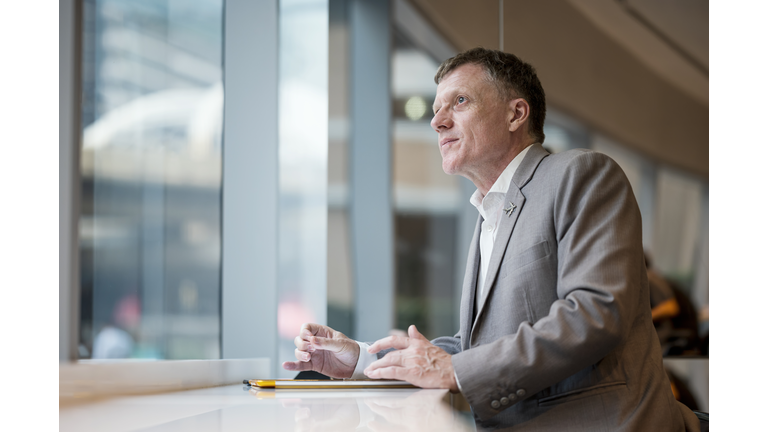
[(463, 76), (466, 78)]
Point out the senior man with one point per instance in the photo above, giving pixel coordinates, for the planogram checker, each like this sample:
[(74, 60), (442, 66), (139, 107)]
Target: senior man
[(556, 329)]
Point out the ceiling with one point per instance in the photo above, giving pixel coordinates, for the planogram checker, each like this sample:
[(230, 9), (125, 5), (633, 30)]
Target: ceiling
[(684, 23), (636, 71), (671, 37)]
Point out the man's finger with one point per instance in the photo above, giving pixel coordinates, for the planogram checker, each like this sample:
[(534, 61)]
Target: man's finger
[(394, 358), (391, 372), (311, 329), (302, 344), (414, 333), (396, 342), (297, 366), (328, 344), (302, 355)]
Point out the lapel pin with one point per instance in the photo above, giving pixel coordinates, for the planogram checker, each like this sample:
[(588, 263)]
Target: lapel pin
[(510, 209)]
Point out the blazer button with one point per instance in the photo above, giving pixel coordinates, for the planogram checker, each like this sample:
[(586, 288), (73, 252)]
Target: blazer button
[(512, 397), (521, 392), (504, 401), (495, 404)]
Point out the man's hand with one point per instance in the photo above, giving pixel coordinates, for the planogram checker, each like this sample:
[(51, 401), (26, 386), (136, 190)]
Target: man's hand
[(323, 349), (416, 361)]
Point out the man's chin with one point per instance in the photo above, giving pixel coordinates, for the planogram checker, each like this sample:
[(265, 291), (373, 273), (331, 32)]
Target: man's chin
[(450, 169)]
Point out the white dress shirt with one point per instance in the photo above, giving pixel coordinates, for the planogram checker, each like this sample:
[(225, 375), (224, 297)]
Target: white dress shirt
[(489, 207)]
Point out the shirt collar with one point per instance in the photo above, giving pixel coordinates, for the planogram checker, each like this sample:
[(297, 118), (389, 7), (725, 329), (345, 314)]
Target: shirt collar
[(500, 186)]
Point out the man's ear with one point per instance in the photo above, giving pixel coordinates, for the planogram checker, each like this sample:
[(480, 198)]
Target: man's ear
[(519, 110)]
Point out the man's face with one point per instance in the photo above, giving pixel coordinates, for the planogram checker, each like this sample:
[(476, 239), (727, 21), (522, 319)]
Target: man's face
[(471, 122)]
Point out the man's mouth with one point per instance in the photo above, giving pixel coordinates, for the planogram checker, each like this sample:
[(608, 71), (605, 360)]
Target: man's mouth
[(447, 141)]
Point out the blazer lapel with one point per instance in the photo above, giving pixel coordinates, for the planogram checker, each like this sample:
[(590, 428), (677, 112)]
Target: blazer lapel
[(515, 197), (469, 287)]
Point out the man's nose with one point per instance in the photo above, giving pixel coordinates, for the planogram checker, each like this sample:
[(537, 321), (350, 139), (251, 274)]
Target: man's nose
[(440, 120)]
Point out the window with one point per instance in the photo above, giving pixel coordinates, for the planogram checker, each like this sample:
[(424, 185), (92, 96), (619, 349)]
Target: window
[(428, 203), (303, 161), (151, 179)]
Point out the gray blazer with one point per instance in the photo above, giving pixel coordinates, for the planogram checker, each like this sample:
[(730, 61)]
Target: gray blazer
[(562, 338)]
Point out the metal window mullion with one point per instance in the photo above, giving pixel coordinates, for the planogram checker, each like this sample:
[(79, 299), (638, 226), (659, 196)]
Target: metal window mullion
[(70, 27), (250, 181), (371, 207)]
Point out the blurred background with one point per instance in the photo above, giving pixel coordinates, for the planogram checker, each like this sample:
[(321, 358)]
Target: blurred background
[(370, 235)]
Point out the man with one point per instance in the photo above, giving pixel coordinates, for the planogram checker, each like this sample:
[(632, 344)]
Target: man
[(556, 328)]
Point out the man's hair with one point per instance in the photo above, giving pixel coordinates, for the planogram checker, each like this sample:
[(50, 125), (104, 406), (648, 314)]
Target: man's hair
[(512, 78)]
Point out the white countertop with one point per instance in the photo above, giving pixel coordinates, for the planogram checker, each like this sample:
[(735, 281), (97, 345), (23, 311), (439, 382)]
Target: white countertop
[(236, 408)]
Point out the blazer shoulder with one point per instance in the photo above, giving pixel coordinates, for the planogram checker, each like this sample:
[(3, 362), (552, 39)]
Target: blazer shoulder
[(569, 156), (578, 160), (561, 172)]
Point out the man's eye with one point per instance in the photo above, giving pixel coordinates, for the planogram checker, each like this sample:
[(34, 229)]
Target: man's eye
[(461, 99)]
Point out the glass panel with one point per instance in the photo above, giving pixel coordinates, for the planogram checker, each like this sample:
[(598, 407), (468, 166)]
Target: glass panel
[(151, 170), (427, 202), (341, 295), (558, 138), (678, 217), (303, 129), (679, 253), (641, 174), (674, 210)]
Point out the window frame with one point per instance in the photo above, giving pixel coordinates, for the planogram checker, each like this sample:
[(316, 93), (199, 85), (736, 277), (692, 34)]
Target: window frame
[(249, 183)]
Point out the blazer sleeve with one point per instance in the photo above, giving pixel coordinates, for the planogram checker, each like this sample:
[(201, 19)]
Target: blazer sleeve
[(451, 345), (599, 245)]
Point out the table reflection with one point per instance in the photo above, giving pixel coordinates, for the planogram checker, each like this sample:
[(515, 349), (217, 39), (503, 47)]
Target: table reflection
[(354, 410), (234, 408)]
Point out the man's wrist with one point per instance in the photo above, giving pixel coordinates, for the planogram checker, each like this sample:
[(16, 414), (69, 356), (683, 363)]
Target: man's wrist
[(364, 359)]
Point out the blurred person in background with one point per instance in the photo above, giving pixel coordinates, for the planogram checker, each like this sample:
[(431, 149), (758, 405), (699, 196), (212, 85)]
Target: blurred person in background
[(704, 329), (664, 306), (673, 314), (115, 341), (556, 329), (663, 303)]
